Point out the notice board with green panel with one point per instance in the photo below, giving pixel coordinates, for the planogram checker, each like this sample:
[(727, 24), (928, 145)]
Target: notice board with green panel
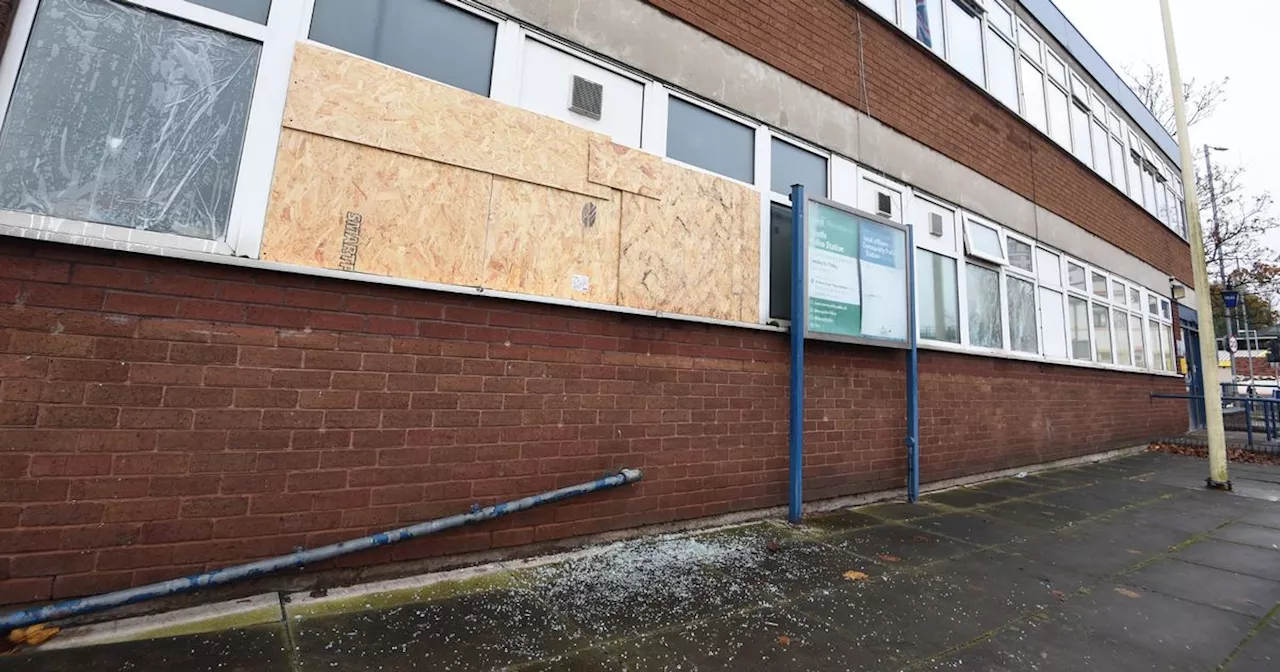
[(857, 272)]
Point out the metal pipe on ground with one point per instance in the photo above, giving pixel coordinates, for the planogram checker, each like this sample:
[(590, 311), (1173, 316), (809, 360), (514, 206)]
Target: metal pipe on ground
[(300, 558)]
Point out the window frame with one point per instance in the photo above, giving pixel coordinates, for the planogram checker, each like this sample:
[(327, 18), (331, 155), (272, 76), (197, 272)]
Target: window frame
[(1029, 276), (754, 126), (971, 220), (252, 189)]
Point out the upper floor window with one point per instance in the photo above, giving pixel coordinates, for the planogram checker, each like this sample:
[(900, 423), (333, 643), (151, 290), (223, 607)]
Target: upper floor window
[(426, 37)]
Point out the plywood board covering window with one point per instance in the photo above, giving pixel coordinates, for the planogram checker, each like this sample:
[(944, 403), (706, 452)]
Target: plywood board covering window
[(549, 242), (351, 98), (694, 252), (340, 205)]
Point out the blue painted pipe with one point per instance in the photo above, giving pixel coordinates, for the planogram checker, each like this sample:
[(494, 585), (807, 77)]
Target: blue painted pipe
[(913, 378), (300, 558), (795, 494)]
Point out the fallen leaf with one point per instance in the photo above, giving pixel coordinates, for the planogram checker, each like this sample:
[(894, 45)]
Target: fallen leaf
[(784, 640), (773, 546), (856, 576), (1128, 593), (1133, 552), (34, 635), (1058, 594), (889, 558)]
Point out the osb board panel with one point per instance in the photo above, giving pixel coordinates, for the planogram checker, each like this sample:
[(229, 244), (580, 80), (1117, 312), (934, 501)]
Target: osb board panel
[(627, 169), (344, 96), (541, 238), (345, 206), (696, 252)]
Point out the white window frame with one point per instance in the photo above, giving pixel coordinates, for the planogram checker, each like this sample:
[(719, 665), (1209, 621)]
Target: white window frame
[(1010, 271), (508, 70), (1035, 52), (262, 129), (923, 241), (971, 220), (754, 126)]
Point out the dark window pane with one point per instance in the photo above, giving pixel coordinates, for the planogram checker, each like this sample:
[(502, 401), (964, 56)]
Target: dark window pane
[(707, 140), (792, 165), (425, 37), (127, 117), (252, 10), (779, 261)]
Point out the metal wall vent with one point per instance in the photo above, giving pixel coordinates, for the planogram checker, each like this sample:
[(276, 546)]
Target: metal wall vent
[(935, 224), (884, 204), (587, 98)]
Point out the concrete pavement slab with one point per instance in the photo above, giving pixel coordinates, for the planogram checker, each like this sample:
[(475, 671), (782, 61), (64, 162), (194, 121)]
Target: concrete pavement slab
[(964, 498), (1035, 514), (900, 545), (976, 528), (1207, 585), (262, 648), (1259, 562), (1166, 627), (1261, 653), (1251, 535)]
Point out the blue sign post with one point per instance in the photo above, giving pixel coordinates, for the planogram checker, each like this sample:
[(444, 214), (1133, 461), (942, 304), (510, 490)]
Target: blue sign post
[(852, 281)]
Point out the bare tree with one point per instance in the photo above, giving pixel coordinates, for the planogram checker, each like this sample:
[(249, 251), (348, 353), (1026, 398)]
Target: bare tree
[(1233, 240), (1151, 84)]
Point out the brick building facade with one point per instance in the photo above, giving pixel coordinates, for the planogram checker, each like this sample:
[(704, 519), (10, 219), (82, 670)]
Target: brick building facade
[(161, 415)]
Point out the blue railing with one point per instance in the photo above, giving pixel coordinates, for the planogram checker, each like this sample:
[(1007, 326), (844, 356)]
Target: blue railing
[(1261, 415)]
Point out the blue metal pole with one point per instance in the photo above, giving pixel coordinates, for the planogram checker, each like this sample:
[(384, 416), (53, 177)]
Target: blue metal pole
[(913, 378), (87, 605), (795, 490)]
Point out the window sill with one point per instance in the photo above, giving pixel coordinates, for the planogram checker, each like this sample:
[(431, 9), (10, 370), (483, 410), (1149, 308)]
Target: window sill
[(43, 227), (942, 346)]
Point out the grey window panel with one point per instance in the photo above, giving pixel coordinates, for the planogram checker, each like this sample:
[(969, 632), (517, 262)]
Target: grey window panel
[(250, 10), (985, 322), (127, 117), (1020, 255), (792, 165), (779, 261), (702, 138), (425, 37)]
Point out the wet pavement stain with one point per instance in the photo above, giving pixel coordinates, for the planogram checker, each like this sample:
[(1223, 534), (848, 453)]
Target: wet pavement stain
[(1106, 567)]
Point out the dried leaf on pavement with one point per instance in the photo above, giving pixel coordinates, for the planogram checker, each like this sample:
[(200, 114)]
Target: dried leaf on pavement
[(1128, 593), (784, 640), (889, 558), (852, 575)]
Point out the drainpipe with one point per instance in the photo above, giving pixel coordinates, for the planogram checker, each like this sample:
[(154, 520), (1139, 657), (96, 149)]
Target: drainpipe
[(301, 558)]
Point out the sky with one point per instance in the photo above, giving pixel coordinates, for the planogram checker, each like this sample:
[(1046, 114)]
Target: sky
[(1216, 39)]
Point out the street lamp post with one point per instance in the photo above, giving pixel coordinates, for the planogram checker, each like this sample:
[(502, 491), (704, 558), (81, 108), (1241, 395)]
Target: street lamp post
[(1218, 477)]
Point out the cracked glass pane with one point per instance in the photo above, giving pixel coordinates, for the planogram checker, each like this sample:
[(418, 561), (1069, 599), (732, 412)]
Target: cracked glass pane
[(126, 117), (1023, 333), (985, 324)]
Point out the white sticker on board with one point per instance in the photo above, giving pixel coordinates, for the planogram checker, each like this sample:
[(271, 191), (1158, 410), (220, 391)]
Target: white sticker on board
[(581, 283)]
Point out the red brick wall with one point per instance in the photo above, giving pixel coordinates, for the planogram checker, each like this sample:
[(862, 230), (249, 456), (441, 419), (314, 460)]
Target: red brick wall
[(817, 42), (160, 417)]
